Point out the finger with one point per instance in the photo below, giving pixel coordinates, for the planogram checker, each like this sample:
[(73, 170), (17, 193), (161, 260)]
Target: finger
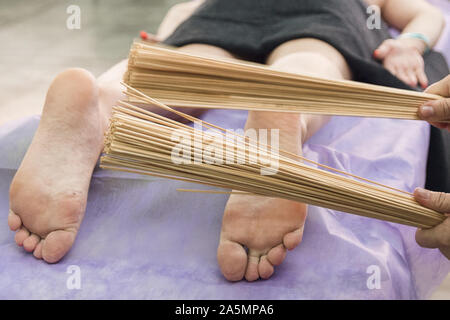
[(381, 52), (437, 237), (422, 77), (441, 88), (402, 75), (438, 201), (436, 110), (412, 78)]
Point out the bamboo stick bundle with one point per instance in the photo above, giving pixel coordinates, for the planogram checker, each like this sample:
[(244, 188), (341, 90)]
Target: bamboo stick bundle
[(142, 142), (179, 79)]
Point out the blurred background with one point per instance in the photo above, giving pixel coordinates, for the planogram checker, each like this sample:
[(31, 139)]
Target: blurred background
[(35, 44)]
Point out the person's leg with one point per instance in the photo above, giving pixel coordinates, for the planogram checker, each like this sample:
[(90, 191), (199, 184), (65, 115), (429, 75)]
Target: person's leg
[(207, 51), (49, 191), (269, 226)]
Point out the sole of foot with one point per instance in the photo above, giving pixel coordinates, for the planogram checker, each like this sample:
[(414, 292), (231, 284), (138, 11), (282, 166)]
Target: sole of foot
[(49, 191), (257, 231)]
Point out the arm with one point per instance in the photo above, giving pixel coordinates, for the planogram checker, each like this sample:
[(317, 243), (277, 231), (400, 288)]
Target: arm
[(403, 56), (414, 16)]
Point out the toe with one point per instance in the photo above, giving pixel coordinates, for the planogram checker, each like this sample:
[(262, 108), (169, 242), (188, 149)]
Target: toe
[(293, 239), (276, 255), (21, 235), (232, 260), (265, 268), (14, 221), (252, 274), (38, 250), (29, 244), (57, 244)]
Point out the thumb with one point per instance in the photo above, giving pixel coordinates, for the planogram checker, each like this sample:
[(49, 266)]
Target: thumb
[(438, 201), (436, 110), (381, 52), (441, 88)]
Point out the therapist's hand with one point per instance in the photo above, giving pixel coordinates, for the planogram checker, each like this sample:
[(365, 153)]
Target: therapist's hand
[(437, 111), (439, 236)]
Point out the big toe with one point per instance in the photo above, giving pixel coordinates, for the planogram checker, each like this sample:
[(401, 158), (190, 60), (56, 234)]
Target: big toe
[(232, 260), (57, 244)]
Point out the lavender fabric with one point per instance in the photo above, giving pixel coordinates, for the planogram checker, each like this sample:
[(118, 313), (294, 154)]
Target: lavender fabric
[(142, 239)]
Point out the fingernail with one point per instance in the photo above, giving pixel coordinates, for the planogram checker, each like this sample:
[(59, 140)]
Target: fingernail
[(376, 52), (422, 193), (144, 35), (426, 111)]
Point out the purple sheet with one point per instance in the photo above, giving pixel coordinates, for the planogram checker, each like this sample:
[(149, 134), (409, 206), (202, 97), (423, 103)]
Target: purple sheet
[(142, 239)]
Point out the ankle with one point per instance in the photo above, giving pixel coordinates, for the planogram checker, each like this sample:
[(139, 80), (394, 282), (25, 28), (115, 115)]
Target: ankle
[(291, 129)]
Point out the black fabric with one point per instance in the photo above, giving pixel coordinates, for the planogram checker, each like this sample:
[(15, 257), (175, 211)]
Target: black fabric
[(252, 29), (438, 165)]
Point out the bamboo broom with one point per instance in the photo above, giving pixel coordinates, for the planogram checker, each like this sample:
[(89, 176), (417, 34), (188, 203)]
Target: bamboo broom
[(141, 141), (179, 79)]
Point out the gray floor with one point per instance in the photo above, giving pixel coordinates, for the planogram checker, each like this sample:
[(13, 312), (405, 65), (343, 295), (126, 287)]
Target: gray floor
[(36, 44)]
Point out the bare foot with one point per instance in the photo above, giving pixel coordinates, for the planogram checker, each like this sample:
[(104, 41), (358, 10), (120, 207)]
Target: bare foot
[(265, 226), (49, 191)]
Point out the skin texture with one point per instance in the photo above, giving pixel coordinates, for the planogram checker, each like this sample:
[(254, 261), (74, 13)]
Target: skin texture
[(439, 236)]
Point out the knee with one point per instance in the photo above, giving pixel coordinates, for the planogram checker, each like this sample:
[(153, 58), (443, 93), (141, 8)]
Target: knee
[(309, 63), (206, 50)]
